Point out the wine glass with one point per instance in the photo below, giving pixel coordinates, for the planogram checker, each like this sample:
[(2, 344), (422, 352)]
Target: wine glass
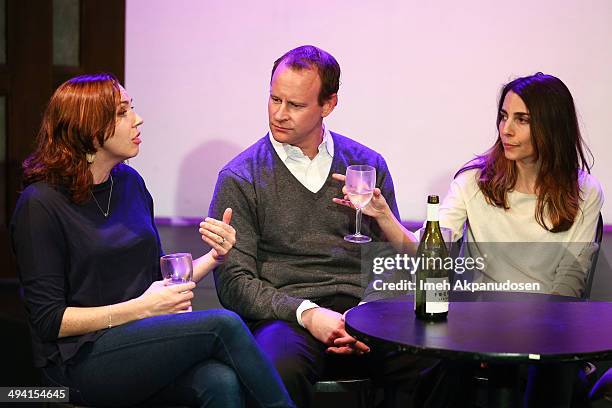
[(360, 182), (177, 267)]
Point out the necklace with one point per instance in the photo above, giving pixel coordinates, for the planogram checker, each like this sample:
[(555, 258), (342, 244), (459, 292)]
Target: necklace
[(105, 214)]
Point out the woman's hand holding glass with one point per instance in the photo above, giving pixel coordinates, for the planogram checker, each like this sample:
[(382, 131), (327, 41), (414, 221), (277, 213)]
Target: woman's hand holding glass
[(162, 298), (376, 208), (359, 185), (219, 235)]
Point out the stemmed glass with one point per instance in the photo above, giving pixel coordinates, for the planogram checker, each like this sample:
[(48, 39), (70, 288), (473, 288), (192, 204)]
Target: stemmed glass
[(360, 182), (177, 267)]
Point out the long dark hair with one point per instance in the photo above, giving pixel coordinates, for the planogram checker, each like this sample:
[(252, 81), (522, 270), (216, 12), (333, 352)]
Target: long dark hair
[(558, 146), (82, 110)]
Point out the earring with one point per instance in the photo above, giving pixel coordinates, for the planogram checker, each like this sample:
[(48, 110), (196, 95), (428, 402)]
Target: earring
[(90, 157)]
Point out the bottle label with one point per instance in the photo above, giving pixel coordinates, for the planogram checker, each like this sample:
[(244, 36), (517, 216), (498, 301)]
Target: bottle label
[(433, 212), (436, 300)]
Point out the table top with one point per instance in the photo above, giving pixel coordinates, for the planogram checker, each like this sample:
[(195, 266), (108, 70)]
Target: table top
[(522, 327)]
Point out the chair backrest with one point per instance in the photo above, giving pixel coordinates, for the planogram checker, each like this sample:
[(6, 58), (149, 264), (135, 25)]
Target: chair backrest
[(591, 272), (358, 392)]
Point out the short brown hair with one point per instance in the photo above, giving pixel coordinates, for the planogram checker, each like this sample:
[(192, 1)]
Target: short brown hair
[(309, 56)]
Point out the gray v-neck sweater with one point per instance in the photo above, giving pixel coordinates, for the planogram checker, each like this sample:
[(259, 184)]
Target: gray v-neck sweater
[(290, 244)]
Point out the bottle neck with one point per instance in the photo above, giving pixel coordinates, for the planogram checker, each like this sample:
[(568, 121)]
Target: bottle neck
[(433, 211)]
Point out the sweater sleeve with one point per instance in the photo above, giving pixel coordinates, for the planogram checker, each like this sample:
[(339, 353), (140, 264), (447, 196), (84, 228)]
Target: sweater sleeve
[(453, 210), (41, 253), (571, 273), (237, 280)]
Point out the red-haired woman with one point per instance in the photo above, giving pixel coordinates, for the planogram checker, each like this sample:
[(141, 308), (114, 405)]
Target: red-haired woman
[(104, 323)]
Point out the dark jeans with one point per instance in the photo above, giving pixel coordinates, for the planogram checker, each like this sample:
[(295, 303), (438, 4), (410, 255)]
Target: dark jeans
[(301, 360), (201, 359)]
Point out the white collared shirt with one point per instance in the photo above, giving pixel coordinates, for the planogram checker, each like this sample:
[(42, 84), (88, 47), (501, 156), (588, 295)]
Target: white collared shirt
[(311, 173)]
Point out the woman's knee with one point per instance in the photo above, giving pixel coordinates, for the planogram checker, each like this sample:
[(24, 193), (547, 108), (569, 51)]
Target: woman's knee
[(227, 321)]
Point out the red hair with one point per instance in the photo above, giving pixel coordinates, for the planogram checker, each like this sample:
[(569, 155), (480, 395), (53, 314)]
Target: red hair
[(81, 112)]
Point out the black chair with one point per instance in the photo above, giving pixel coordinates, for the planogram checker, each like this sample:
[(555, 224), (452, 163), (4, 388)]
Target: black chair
[(603, 388), (75, 396), (361, 388), (591, 272)]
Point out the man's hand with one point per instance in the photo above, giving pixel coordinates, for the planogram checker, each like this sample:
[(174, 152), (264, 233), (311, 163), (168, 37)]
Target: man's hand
[(219, 235), (327, 326)]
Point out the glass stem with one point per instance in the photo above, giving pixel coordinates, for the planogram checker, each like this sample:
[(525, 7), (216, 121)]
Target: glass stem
[(358, 221)]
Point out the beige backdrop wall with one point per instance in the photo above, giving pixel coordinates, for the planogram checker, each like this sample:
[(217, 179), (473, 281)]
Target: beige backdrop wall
[(419, 81)]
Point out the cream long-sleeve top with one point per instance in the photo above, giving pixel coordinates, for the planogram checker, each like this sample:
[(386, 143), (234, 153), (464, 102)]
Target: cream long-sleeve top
[(514, 246)]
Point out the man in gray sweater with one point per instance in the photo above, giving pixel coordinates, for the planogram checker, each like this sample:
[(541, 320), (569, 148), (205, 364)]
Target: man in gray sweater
[(291, 275)]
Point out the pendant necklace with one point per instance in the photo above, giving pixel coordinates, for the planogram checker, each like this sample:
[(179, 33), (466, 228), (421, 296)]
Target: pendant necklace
[(105, 214)]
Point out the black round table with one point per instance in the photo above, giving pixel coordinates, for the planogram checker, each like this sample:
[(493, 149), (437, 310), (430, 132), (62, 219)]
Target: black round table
[(494, 327)]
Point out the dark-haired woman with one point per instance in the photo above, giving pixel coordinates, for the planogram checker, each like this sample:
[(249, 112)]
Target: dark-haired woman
[(104, 323), (529, 203), (533, 186)]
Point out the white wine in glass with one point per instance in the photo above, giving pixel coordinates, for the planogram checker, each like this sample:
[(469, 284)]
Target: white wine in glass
[(177, 267), (360, 182)]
